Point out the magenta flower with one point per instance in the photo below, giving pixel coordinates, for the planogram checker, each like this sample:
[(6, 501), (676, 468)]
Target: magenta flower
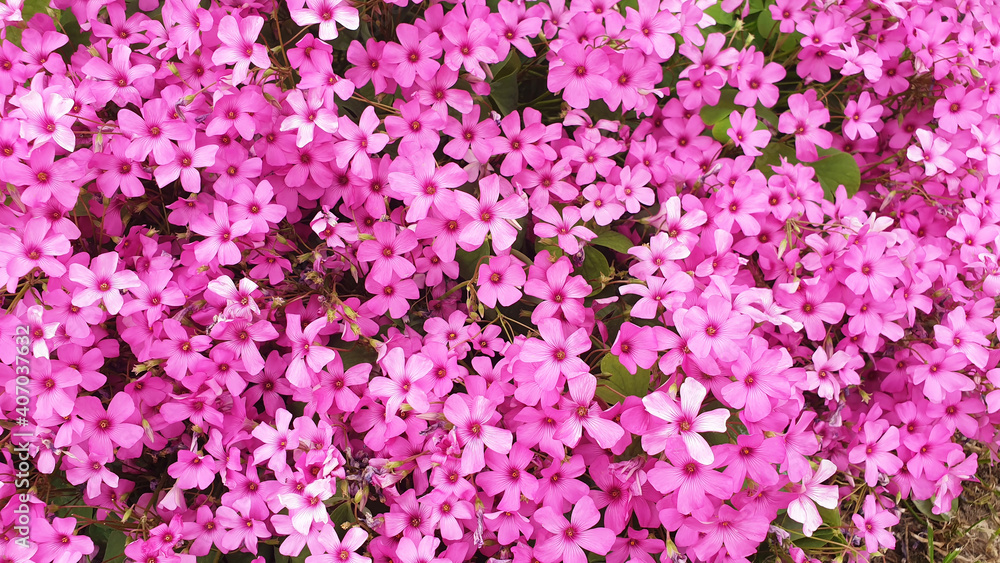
[(360, 140), (193, 471), (872, 269), (500, 280), (340, 550), (804, 119), (58, 542), (89, 467), (113, 81), (242, 337), (390, 295), (275, 441), (473, 420), (579, 73), (102, 282), (327, 13), (745, 133), (652, 29), (221, 236), (406, 381), (152, 133), (684, 420), (812, 492), (469, 47), (875, 449), (557, 354), (44, 118), (692, 481), (509, 476), (308, 355), (240, 47), (36, 247), (308, 114), (104, 429), (873, 526), (490, 215), (563, 228), (188, 158), (414, 55), (862, 118), (243, 528), (571, 537), (715, 329)]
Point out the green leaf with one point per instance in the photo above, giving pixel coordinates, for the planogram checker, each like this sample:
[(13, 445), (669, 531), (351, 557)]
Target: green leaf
[(712, 114), (720, 16), (116, 545), (765, 24), (838, 168), (621, 380), (467, 261), (595, 267), (771, 156), (503, 92), (507, 67), (342, 514), (613, 240)]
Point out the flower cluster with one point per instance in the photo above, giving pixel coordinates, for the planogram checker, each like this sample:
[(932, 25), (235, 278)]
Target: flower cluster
[(354, 281)]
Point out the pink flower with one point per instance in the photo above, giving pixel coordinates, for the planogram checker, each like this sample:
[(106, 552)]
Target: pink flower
[(275, 441), (684, 420), (359, 141), (340, 551), (571, 537), (473, 418), (563, 228), (240, 47), (716, 330), (691, 481), (500, 280), (875, 448), (861, 118), (406, 381), (557, 354), (652, 29), (391, 295), (509, 476), (388, 251), (221, 236), (932, 152), (745, 133), (114, 80), (103, 429), (327, 13), (469, 47), (152, 133), (59, 541), (102, 282), (184, 165), (579, 72), (44, 117), (414, 55), (36, 247), (89, 467), (873, 526), (811, 492), (193, 471), (308, 114), (872, 269), (490, 215), (308, 355)]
